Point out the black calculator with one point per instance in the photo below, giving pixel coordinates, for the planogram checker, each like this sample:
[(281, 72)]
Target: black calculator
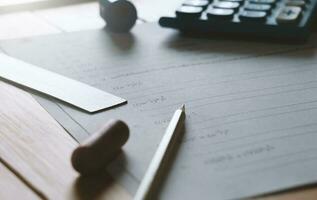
[(280, 19)]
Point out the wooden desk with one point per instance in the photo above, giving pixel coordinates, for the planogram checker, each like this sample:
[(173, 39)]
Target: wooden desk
[(34, 148)]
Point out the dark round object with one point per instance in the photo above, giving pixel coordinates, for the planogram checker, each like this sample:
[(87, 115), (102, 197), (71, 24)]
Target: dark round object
[(94, 154), (120, 15)]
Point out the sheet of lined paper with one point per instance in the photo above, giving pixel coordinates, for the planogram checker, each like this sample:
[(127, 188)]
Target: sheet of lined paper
[(251, 124)]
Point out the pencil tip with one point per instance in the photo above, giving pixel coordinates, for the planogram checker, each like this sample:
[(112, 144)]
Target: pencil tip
[(183, 107)]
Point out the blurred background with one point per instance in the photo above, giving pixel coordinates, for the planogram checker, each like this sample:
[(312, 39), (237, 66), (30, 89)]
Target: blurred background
[(25, 18)]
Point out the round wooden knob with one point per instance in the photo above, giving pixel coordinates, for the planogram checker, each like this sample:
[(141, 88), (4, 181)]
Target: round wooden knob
[(120, 15), (101, 148)]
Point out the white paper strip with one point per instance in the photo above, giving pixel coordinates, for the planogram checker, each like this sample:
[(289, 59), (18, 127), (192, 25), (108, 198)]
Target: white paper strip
[(73, 92)]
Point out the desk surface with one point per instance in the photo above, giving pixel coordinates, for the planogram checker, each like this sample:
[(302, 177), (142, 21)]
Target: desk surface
[(34, 148)]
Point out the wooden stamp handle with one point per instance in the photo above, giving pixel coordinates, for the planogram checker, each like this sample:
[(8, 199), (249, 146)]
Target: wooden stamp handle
[(101, 148)]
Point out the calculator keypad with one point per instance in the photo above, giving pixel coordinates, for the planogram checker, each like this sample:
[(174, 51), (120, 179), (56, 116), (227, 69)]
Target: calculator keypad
[(243, 10), (283, 19)]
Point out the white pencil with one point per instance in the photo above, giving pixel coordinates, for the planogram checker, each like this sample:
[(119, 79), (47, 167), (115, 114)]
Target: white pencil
[(164, 150)]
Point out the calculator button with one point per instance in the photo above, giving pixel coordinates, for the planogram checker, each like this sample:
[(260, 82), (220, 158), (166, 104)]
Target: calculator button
[(263, 1), (189, 11), (218, 13), (298, 3), (289, 14), (257, 16), (258, 7), (198, 3), (238, 1), (226, 5)]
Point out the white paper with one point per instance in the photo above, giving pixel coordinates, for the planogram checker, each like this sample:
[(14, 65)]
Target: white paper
[(251, 106)]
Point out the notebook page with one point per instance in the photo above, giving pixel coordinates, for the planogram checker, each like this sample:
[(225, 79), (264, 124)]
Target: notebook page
[(251, 106)]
